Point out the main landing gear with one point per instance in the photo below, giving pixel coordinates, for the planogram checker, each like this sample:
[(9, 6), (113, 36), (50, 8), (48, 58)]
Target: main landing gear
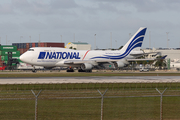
[(80, 70), (34, 70), (70, 69)]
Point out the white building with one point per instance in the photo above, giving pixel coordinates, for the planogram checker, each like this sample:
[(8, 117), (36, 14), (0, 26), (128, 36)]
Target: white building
[(78, 46), (172, 54)]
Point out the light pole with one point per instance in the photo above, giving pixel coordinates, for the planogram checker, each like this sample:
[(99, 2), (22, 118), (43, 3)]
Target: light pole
[(21, 46), (6, 39), (129, 35), (168, 42), (30, 38), (149, 39), (167, 38), (39, 38), (116, 43), (20, 38), (61, 38), (95, 41), (111, 40)]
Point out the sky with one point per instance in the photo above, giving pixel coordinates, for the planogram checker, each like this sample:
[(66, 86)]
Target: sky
[(97, 22)]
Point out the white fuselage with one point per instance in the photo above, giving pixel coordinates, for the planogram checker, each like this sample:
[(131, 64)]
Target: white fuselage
[(86, 59), (50, 57)]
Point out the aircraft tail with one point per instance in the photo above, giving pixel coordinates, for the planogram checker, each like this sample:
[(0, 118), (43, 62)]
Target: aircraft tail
[(135, 42)]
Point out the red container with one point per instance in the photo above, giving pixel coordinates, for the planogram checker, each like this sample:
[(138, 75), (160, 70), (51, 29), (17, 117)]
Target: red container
[(27, 45), (21, 50), (25, 50), (1, 63), (42, 44), (45, 44), (18, 49), (55, 45), (33, 44)]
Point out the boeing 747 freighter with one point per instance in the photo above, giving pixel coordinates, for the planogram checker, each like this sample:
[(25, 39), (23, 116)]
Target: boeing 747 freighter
[(85, 60)]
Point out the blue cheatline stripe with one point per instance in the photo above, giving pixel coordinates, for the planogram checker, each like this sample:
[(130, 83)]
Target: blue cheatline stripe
[(136, 42)]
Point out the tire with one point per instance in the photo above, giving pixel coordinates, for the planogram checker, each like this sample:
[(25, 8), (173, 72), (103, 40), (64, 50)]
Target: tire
[(71, 70), (34, 70)]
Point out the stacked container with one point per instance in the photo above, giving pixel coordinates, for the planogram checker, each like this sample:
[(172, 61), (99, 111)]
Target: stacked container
[(4, 49), (23, 47)]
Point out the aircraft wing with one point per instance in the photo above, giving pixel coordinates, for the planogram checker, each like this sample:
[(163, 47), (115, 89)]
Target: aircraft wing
[(87, 61), (107, 60), (141, 54), (140, 59), (163, 57)]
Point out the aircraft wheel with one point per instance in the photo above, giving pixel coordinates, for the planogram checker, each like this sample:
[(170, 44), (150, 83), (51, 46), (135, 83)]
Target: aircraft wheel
[(71, 70), (80, 70), (88, 70), (34, 70)]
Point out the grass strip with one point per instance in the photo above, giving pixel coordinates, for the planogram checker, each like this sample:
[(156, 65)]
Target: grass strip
[(31, 75), (79, 86)]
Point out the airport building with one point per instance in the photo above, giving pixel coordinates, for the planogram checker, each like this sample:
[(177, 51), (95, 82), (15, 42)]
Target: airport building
[(78, 46), (173, 55)]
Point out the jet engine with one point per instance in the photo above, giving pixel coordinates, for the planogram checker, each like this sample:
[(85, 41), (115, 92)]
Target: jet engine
[(86, 66), (120, 63)]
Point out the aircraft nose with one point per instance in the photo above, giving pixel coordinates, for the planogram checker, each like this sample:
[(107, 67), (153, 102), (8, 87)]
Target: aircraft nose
[(22, 58)]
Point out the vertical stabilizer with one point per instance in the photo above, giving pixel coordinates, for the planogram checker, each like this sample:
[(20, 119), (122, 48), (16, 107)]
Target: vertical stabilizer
[(135, 41)]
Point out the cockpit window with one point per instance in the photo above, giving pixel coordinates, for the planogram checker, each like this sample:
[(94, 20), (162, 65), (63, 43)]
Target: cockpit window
[(31, 50)]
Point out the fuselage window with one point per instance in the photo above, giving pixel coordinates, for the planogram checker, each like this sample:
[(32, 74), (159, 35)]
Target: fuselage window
[(31, 50)]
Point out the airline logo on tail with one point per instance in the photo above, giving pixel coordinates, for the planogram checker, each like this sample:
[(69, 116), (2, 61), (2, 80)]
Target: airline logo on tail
[(59, 55), (135, 42)]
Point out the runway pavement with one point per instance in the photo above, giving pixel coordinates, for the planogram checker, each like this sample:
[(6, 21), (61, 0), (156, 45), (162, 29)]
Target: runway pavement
[(115, 79)]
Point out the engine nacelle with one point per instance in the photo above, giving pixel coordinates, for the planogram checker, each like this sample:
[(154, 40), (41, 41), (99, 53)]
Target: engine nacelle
[(120, 63), (86, 66)]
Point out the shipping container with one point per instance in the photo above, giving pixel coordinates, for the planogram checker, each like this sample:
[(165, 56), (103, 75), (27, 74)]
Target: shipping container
[(8, 48), (55, 45), (27, 45), (16, 44), (21, 50), (14, 53), (33, 44), (24, 45), (25, 50), (1, 63), (41, 44), (14, 64), (20, 45), (36, 44), (30, 45), (5, 58), (5, 62)]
